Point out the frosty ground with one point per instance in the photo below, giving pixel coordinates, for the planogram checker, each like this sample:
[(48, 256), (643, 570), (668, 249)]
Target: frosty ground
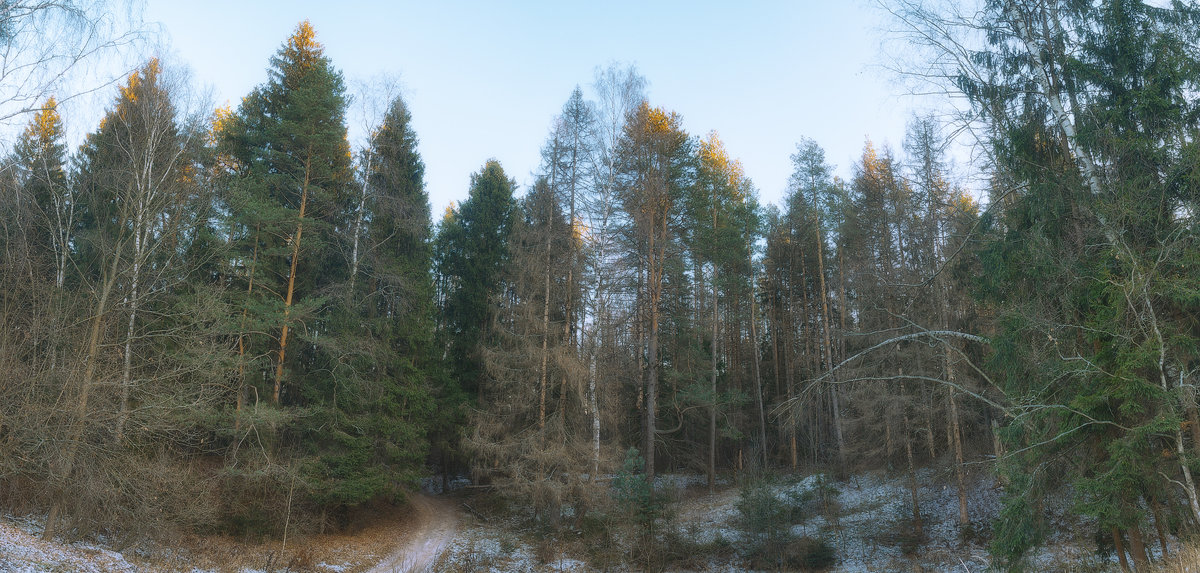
[(866, 519)]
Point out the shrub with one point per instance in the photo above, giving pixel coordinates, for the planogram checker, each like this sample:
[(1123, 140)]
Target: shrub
[(764, 518), (634, 493), (809, 554), (767, 519)]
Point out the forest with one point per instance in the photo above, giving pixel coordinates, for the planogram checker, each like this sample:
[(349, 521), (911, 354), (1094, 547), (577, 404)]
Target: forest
[(232, 321)]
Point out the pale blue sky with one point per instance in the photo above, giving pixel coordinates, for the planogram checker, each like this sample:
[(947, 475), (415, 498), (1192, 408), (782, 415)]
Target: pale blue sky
[(484, 79)]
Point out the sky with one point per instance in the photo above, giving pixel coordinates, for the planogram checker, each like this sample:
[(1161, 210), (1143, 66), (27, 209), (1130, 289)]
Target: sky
[(484, 80)]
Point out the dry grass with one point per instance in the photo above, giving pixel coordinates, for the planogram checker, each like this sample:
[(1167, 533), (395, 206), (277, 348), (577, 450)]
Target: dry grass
[(355, 550), (1184, 560)]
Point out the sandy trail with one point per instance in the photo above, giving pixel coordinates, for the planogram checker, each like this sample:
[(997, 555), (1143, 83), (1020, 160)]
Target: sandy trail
[(434, 524)]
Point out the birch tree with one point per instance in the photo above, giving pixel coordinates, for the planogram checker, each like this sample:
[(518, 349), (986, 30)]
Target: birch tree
[(133, 177), (619, 90)]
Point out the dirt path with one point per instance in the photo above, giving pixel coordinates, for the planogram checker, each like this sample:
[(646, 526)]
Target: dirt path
[(434, 524)]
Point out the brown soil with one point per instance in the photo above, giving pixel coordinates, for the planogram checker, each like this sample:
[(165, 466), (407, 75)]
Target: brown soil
[(391, 539)]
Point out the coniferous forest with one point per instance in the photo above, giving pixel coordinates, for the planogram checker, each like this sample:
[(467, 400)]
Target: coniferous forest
[(233, 321)]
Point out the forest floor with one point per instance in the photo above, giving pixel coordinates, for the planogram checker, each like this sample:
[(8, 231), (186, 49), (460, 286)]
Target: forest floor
[(866, 520), (390, 539)]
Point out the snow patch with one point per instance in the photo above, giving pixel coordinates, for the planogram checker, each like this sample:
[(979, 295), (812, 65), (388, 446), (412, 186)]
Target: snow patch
[(22, 552), (432, 485)]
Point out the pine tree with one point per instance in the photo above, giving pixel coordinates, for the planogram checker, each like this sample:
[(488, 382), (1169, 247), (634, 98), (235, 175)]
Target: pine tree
[(814, 188), (800, 289), (40, 156), (290, 196), (654, 170), (718, 207)]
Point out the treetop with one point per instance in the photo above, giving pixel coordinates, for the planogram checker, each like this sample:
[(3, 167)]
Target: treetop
[(302, 49)]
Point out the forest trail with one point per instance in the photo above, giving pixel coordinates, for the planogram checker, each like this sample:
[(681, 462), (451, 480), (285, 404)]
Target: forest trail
[(434, 523)]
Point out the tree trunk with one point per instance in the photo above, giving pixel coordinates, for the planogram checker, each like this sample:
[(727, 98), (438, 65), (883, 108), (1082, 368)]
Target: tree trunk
[(1137, 548), (545, 329), (358, 221), (997, 444), (912, 480), (712, 411), (836, 407), (1194, 422), (889, 446), (651, 392), (141, 236), (291, 288), (1155, 509), (1119, 546), (790, 349), (598, 344), (775, 333), (758, 389), (241, 389), (594, 407), (931, 436), (640, 328), (964, 518), (842, 307), (127, 363), (62, 239), (654, 277), (572, 254)]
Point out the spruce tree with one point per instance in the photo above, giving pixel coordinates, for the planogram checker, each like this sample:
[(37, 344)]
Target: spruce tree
[(343, 361), (380, 348), (1089, 252), (718, 208), (470, 252)]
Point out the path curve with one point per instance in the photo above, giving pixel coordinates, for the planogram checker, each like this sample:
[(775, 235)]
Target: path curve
[(435, 521)]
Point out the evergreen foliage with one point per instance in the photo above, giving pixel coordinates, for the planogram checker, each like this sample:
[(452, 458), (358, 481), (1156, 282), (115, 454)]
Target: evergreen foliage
[(237, 305), (471, 251), (352, 386)]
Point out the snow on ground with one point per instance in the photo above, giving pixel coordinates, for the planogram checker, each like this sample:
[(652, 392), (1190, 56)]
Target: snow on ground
[(677, 482), (867, 519), (868, 508), (488, 547), (21, 551), (862, 518), (432, 485)]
